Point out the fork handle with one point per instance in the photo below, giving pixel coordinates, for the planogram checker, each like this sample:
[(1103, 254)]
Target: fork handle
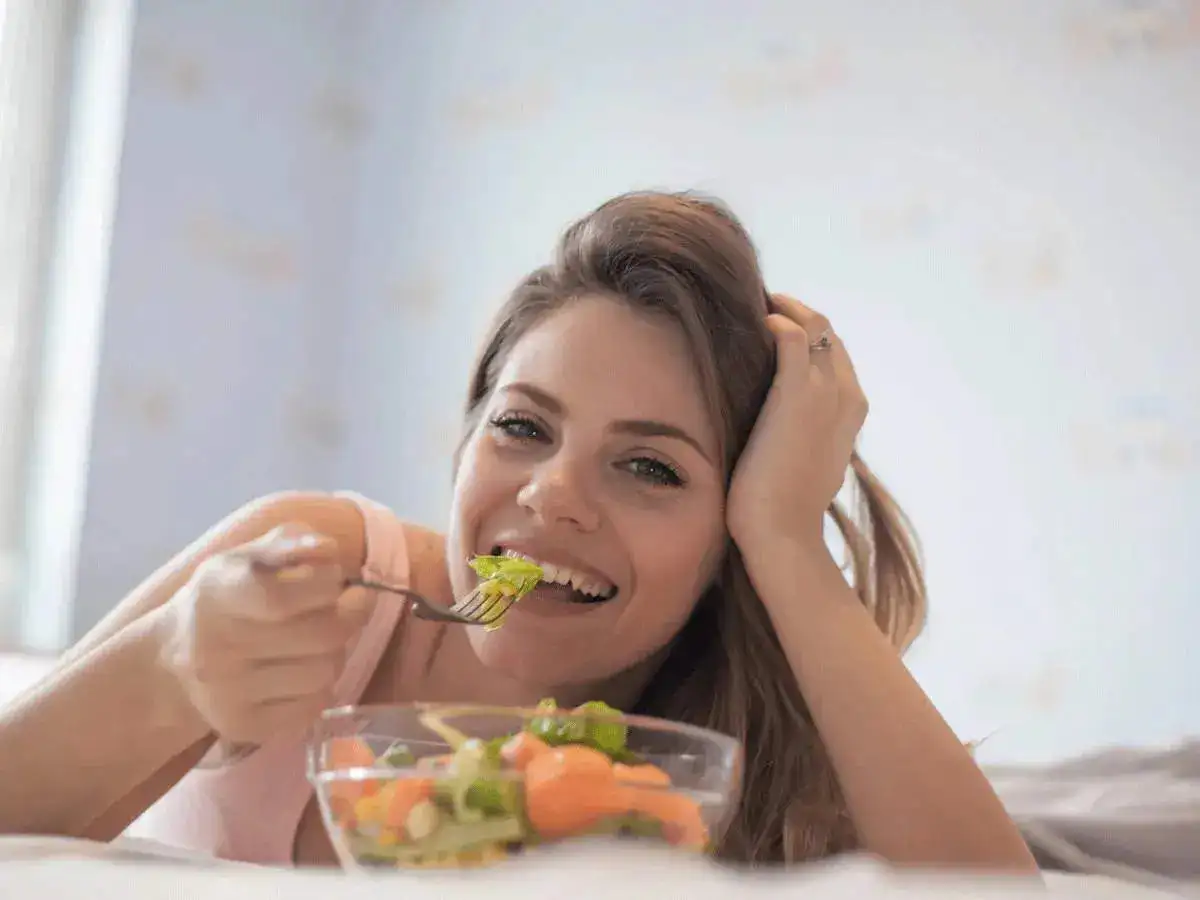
[(421, 607), (378, 586)]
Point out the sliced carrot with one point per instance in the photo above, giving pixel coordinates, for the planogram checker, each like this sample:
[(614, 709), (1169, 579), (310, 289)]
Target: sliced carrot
[(342, 809), (400, 798), (350, 753), (574, 761), (680, 816), (569, 790), (641, 774), (521, 748)]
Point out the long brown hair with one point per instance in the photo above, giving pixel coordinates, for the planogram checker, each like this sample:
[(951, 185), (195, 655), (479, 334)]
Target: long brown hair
[(689, 260)]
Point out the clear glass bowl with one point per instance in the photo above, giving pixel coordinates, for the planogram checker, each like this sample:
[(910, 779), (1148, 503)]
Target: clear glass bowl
[(453, 786)]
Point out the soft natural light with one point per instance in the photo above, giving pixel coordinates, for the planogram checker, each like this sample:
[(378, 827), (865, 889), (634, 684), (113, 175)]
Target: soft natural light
[(76, 284), (37, 41)]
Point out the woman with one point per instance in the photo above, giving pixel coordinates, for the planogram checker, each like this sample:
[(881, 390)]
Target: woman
[(645, 417)]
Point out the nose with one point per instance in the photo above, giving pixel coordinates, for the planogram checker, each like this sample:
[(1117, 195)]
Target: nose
[(558, 495)]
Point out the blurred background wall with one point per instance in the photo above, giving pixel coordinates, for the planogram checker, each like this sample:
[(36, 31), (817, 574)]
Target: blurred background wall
[(315, 206)]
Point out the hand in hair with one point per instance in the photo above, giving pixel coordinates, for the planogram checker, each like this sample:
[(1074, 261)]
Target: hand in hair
[(798, 453), (913, 792)]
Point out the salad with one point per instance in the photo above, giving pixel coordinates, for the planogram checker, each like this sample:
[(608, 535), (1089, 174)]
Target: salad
[(556, 779), (505, 580)]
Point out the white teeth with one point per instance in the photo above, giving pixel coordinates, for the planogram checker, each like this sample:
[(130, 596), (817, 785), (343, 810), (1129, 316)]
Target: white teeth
[(553, 574)]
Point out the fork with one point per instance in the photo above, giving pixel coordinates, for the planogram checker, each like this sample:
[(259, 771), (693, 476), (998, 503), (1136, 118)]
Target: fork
[(473, 609)]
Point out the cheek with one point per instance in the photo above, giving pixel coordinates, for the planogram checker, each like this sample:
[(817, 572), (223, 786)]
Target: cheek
[(676, 561), (483, 483)]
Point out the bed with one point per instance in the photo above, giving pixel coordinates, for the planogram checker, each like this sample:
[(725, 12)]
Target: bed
[(69, 869)]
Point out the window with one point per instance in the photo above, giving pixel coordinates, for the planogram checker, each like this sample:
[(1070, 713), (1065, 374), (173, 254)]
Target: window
[(35, 40)]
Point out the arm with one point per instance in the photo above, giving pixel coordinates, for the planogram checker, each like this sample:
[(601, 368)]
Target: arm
[(109, 731), (913, 791)]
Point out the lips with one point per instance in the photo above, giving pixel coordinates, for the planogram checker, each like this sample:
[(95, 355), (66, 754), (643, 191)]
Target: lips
[(572, 582)]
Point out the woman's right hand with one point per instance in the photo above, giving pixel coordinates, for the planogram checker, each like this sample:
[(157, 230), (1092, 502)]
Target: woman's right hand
[(259, 634)]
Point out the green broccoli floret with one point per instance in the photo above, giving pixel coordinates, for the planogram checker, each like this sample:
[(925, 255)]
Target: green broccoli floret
[(595, 729), (608, 737)]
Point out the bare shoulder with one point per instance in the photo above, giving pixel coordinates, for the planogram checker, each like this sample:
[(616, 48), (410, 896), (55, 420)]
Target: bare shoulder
[(404, 672)]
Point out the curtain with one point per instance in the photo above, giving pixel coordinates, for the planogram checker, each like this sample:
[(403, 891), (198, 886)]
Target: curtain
[(35, 55)]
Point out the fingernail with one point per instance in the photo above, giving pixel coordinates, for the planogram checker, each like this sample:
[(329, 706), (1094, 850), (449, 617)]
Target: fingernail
[(290, 543)]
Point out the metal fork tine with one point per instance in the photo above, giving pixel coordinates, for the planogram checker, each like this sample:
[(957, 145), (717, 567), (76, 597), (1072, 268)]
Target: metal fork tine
[(481, 608), (474, 609)]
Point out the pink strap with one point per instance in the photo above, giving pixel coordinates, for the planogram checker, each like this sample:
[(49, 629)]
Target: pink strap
[(386, 563), (249, 809)]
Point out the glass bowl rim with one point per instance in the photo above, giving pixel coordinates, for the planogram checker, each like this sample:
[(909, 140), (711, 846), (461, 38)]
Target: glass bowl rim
[(728, 745)]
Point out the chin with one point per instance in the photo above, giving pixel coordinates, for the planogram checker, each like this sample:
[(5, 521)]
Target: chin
[(543, 664)]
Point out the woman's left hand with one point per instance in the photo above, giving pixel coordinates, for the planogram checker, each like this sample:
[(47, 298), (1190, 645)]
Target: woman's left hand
[(796, 459)]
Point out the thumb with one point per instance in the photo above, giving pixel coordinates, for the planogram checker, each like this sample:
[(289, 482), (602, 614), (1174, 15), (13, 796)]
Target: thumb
[(292, 544)]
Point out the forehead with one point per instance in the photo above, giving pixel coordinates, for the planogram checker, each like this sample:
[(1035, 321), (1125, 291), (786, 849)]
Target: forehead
[(619, 362)]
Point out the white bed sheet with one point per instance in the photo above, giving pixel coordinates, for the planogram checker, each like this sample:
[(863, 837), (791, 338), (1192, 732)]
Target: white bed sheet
[(139, 870)]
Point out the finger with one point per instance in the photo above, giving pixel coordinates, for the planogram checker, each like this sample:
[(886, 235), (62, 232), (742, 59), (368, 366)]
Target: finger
[(246, 596), (296, 591), (324, 631), (833, 361), (804, 316), (290, 545), (815, 325), (792, 346), (850, 392), (291, 679)]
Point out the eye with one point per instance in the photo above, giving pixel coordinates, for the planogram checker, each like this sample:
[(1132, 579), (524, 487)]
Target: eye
[(517, 428), (654, 471)]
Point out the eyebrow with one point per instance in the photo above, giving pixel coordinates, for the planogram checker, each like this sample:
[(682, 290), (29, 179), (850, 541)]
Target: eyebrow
[(638, 427)]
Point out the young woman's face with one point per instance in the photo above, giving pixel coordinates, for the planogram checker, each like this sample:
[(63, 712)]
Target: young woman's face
[(595, 457)]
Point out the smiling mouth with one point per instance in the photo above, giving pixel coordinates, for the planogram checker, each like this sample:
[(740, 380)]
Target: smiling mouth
[(564, 583)]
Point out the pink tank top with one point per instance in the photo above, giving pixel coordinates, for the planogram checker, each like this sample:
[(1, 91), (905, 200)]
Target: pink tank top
[(249, 810)]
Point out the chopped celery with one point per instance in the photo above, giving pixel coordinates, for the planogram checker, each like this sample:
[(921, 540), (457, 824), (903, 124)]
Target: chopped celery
[(455, 836), (494, 797), (450, 838), (472, 790), (467, 767), (448, 733)]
